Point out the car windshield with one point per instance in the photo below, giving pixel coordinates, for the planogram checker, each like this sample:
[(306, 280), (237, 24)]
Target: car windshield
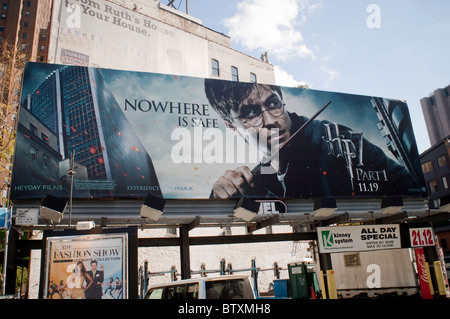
[(229, 289), (177, 292)]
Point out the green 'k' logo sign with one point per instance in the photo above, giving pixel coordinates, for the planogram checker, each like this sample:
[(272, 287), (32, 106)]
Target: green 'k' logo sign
[(327, 238)]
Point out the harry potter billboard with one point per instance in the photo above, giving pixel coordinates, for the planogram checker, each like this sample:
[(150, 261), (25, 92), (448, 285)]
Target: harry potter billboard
[(134, 133)]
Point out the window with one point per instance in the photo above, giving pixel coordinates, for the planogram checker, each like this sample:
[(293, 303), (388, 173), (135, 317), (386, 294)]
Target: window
[(228, 289), (45, 161), (436, 203), (444, 182), (3, 16), (155, 293), (234, 74), (215, 67), (33, 154), (25, 24), (44, 138), (441, 161), (24, 35), (5, 6), (433, 186), (175, 292), (252, 77), (182, 292), (2, 28), (33, 129), (427, 167)]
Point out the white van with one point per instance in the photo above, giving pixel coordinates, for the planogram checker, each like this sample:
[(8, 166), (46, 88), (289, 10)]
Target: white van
[(222, 287)]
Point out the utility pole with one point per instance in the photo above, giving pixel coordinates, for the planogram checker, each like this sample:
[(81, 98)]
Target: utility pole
[(71, 172)]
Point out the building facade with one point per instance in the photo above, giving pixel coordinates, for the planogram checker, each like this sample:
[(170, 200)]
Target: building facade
[(147, 36), (436, 169), (436, 111), (26, 23), (436, 162)]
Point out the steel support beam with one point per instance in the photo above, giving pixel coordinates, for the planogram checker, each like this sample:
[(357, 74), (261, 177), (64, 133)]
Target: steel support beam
[(185, 256)]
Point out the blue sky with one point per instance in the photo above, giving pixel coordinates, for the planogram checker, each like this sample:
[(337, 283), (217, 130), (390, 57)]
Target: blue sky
[(395, 49)]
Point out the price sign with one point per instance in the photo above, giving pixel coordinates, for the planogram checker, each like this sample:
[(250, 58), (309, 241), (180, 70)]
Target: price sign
[(421, 237)]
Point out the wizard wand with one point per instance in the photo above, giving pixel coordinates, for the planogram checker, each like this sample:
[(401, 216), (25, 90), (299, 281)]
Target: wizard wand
[(268, 159)]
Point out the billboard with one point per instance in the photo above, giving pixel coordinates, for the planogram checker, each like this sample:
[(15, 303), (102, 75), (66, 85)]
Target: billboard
[(133, 133)]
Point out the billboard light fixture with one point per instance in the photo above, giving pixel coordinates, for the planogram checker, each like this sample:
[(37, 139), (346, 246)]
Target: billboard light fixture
[(85, 225), (152, 208), (246, 209), (52, 208), (324, 206), (391, 205)]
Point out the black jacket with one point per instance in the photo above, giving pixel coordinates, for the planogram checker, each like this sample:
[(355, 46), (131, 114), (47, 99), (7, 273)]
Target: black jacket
[(313, 170)]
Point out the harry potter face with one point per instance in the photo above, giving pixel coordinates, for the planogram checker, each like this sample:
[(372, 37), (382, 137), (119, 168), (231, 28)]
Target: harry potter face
[(264, 111)]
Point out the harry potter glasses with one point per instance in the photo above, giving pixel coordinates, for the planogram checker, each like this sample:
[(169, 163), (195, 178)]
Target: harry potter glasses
[(253, 114)]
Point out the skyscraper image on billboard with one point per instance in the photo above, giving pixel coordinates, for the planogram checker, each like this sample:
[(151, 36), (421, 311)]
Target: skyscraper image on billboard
[(76, 112)]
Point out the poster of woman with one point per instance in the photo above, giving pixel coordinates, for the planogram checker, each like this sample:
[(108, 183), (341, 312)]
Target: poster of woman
[(81, 267)]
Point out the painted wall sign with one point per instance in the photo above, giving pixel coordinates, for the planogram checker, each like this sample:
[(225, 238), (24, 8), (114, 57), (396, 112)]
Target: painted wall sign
[(101, 33)]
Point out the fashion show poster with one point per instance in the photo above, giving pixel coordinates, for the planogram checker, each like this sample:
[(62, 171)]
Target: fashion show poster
[(86, 267), (129, 133)]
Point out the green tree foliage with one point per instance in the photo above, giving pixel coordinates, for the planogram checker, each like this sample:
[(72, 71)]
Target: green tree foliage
[(12, 64)]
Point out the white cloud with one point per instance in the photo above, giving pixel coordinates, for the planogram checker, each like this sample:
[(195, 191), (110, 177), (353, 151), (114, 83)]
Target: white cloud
[(272, 26), (330, 73), (283, 78)]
